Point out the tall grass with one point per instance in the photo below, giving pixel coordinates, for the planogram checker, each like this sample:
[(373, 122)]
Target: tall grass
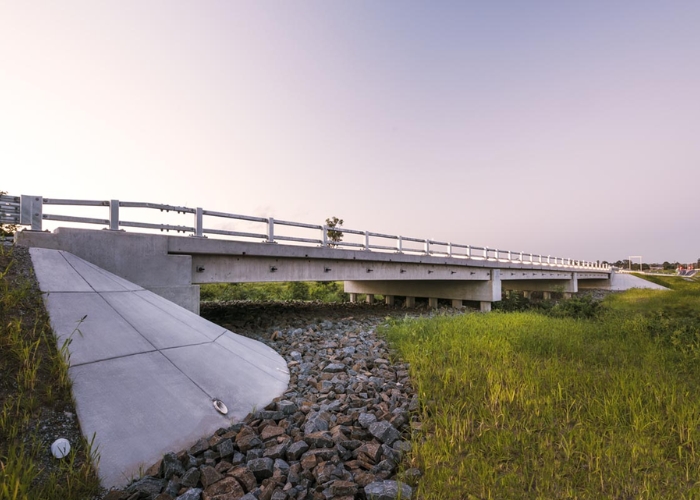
[(525, 405), (33, 380)]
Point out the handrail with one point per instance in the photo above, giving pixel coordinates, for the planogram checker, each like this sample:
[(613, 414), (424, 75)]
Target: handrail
[(29, 211)]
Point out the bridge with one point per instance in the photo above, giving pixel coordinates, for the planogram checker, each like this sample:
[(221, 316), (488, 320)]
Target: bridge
[(263, 249), (150, 377)]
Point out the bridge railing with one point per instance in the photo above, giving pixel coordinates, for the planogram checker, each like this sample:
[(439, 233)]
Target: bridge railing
[(29, 211)]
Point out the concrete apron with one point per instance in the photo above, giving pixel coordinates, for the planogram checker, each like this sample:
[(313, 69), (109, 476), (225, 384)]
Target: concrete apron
[(145, 371)]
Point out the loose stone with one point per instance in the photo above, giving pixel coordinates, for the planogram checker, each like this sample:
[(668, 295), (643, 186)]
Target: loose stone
[(338, 432)]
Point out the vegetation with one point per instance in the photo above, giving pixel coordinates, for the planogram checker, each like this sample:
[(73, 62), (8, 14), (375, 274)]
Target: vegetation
[(322, 291), (6, 229), (34, 383), (334, 236), (588, 402), (583, 306)]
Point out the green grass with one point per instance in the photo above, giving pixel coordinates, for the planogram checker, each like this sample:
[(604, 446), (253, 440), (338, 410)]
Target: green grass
[(526, 405), (322, 291), (33, 380)]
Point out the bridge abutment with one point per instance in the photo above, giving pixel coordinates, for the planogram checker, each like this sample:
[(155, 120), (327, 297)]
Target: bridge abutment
[(142, 259)]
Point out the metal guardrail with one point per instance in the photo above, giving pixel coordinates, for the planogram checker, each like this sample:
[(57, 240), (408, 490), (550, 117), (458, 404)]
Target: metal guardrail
[(29, 211)]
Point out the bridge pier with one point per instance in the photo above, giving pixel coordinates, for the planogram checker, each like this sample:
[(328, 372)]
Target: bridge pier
[(353, 298), (410, 302), (483, 291), (457, 304), (485, 306), (389, 300), (369, 298)]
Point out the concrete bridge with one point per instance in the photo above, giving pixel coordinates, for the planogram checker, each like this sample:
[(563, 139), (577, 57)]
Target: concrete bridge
[(149, 377), (368, 263)]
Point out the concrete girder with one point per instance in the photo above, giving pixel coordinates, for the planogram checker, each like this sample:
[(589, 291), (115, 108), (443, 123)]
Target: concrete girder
[(569, 285), (254, 269)]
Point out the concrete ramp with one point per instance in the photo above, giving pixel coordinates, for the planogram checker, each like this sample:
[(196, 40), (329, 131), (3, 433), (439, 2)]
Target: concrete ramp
[(622, 281), (145, 371)]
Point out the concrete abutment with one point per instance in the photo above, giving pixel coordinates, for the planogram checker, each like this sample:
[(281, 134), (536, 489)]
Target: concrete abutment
[(142, 259)]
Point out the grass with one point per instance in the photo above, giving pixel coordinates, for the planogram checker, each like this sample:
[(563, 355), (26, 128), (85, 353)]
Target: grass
[(541, 406), (34, 383), (322, 291)]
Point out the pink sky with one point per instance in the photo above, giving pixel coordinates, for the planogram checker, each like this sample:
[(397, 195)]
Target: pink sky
[(536, 126)]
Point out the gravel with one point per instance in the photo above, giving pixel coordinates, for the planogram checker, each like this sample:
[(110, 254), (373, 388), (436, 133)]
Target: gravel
[(340, 430)]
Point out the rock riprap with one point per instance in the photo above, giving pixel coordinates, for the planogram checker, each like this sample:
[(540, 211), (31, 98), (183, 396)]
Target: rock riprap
[(339, 432)]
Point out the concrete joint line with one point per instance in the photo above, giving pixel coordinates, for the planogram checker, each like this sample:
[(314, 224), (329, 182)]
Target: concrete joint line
[(113, 357)]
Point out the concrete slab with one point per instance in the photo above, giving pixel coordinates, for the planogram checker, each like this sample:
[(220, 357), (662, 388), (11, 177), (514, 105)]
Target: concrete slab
[(210, 330), (103, 334), (622, 281), (99, 279), (144, 370), (238, 345), (221, 367), (129, 404), (54, 274), (156, 325), (619, 282)]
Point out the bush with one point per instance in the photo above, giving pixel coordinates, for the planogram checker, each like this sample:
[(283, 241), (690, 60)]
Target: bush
[(583, 307), (298, 290)]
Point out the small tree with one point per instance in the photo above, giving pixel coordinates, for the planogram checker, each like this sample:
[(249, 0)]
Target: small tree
[(334, 236)]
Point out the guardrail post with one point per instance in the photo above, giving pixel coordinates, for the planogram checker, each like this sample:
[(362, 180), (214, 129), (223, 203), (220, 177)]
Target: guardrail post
[(510, 256), (486, 253), (366, 240), (270, 230), (199, 223), (114, 215), (427, 247), (495, 254), (399, 245), (469, 251), (449, 249), (31, 210), (324, 236)]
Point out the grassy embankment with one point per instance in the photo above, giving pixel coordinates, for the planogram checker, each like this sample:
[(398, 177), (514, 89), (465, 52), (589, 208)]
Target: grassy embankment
[(530, 405), (34, 383)]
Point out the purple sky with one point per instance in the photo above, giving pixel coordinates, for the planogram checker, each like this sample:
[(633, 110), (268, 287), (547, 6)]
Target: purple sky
[(552, 127)]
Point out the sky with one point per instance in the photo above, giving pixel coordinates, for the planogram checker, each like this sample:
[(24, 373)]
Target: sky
[(561, 128)]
